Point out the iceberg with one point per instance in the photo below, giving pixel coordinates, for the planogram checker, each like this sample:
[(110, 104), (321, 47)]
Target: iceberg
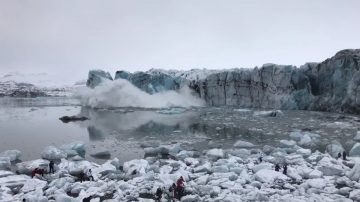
[(5, 163), (53, 153), (13, 155), (308, 87)]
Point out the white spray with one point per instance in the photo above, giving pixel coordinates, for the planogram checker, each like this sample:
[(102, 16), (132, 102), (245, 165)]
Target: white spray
[(121, 93)]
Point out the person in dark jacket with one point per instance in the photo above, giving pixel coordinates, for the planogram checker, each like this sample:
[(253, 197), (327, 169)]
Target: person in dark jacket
[(158, 194), (344, 155), (51, 167), (277, 167), (285, 169), (339, 155), (172, 191)]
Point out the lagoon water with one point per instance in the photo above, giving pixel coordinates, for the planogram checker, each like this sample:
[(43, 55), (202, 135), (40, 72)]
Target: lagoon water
[(31, 124)]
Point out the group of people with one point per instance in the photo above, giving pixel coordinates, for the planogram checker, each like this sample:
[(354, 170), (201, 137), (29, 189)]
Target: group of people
[(344, 154), (83, 176), (277, 168), (43, 171), (176, 191), (86, 176)]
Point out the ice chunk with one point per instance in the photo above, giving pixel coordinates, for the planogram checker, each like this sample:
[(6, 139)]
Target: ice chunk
[(215, 153), (269, 176), (4, 173), (206, 167), (135, 167), (269, 113), (59, 183), (305, 140), (330, 167), (96, 77), (287, 143), (5, 163), (14, 180), (104, 154), (355, 195), (173, 110), (105, 168), (53, 153), (78, 147), (220, 169), (76, 167), (334, 148), (304, 152), (27, 166), (12, 154), (296, 135), (316, 183), (190, 198), (355, 150), (315, 174), (261, 166), (357, 136), (354, 173), (202, 180), (32, 185), (293, 174), (294, 159), (243, 144)]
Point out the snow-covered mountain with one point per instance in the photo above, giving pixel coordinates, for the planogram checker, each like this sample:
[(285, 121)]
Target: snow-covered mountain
[(17, 84)]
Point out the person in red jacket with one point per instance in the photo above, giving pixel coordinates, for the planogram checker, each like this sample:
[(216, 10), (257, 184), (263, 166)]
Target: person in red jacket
[(180, 187), (33, 172)]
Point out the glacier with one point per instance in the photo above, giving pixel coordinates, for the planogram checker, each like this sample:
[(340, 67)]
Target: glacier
[(331, 85)]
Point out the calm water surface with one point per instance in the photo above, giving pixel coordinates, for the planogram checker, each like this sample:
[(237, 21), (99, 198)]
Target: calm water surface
[(29, 125)]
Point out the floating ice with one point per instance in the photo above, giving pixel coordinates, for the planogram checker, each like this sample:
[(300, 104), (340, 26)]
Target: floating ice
[(12, 154), (104, 154), (287, 143), (355, 150), (354, 173), (173, 110), (334, 148), (77, 147), (5, 163), (243, 144), (215, 153)]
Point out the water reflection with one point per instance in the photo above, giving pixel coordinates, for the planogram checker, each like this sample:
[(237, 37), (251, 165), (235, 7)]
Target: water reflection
[(223, 126)]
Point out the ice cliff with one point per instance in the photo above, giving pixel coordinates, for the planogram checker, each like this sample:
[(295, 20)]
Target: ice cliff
[(332, 85)]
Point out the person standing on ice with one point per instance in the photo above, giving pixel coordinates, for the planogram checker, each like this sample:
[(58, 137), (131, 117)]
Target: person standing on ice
[(285, 169), (172, 190), (51, 167), (180, 187), (158, 194), (89, 175), (344, 155), (261, 158), (277, 167)]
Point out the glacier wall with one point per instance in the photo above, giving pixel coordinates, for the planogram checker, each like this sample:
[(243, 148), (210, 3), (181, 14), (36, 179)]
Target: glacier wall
[(332, 85)]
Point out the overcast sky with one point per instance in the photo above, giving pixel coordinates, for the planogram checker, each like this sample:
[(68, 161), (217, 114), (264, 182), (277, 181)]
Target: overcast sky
[(72, 36)]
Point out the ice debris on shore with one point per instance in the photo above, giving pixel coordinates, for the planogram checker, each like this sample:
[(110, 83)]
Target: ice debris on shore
[(215, 175)]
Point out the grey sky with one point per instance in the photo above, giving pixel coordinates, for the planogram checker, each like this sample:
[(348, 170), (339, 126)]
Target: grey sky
[(71, 37)]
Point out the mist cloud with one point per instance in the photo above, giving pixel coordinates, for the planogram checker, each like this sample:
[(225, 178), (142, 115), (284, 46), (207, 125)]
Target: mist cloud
[(121, 93)]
